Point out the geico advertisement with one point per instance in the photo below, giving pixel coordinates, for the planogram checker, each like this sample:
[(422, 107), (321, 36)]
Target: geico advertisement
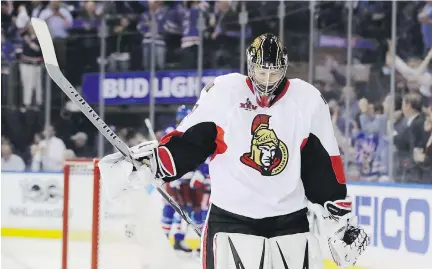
[(399, 223)]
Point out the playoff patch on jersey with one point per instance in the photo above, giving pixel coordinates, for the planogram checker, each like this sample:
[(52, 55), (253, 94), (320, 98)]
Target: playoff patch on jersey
[(268, 155)]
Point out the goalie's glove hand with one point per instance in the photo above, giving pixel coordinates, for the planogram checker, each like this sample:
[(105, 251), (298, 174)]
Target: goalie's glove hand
[(349, 240), (346, 240), (157, 158)]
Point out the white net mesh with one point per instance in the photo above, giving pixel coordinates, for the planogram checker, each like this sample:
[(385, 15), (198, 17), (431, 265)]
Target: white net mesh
[(129, 231)]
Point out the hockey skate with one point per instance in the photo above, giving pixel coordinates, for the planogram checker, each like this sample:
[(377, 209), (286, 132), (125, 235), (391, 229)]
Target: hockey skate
[(181, 246)]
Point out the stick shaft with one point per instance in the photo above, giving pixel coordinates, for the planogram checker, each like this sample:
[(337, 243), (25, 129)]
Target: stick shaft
[(51, 64)]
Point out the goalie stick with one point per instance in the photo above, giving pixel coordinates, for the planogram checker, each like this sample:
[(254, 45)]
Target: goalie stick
[(152, 134), (50, 59), (148, 124)]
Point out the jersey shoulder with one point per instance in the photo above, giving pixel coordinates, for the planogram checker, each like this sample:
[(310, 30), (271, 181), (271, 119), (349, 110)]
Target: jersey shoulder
[(224, 85), (305, 92), (231, 79)]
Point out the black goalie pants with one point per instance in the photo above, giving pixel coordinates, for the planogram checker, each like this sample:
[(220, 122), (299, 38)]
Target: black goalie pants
[(220, 220)]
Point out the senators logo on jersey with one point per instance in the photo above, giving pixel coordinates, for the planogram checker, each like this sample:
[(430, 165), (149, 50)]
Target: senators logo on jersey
[(268, 154)]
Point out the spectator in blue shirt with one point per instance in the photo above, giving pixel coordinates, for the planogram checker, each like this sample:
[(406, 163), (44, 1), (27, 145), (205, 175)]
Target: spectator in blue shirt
[(191, 37), (87, 23), (156, 9), (59, 20), (425, 18)]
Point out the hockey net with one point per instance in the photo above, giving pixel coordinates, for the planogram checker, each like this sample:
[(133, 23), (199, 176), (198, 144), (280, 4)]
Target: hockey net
[(102, 233)]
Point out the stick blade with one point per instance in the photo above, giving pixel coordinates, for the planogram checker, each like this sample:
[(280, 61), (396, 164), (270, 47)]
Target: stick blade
[(43, 35)]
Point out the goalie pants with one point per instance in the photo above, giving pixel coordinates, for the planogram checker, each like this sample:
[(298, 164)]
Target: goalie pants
[(220, 220)]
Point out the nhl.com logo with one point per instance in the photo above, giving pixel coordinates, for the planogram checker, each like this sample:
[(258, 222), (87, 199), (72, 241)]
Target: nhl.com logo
[(248, 106)]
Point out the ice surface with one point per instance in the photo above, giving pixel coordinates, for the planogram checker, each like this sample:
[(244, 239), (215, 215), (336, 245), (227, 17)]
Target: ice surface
[(25, 253)]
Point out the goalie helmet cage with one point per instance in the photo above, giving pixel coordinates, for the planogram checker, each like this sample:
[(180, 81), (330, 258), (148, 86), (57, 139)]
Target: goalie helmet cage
[(102, 234)]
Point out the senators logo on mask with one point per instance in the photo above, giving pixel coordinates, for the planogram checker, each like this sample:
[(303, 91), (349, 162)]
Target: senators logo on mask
[(268, 154)]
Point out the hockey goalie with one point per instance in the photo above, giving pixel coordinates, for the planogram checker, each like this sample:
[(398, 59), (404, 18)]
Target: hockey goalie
[(273, 157)]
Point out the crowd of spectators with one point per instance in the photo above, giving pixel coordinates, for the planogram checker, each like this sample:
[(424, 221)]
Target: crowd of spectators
[(365, 123), (47, 152), (76, 27), (366, 117)]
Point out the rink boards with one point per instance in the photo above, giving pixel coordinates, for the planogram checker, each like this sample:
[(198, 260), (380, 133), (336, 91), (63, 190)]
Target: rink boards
[(398, 217)]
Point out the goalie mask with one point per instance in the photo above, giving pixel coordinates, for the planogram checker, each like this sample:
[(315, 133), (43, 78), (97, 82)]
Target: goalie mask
[(267, 62)]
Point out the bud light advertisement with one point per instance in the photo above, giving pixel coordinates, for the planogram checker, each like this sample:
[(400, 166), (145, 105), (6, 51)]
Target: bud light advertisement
[(172, 87)]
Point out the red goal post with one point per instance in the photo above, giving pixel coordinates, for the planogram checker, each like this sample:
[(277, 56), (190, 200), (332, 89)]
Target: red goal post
[(81, 165)]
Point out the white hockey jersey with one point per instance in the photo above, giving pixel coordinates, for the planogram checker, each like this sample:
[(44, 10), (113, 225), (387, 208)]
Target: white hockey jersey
[(258, 169)]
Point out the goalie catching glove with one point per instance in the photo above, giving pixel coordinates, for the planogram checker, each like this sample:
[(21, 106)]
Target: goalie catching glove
[(157, 158), (335, 222)]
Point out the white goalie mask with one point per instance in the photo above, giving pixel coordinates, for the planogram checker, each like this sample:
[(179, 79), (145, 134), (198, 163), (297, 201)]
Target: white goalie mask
[(267, 62)]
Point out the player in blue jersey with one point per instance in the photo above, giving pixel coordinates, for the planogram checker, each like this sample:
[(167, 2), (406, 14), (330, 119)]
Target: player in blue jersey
[(200, 193), (188, 192), (201, 182)]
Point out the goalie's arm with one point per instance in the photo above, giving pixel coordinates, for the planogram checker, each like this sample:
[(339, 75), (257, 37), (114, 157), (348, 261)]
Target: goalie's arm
[(192, 148), (322, 170), (199, 135), (324, 182)]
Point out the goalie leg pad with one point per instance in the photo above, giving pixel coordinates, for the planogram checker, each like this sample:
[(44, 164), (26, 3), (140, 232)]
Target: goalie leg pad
[(234, 250), (296, 251)]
